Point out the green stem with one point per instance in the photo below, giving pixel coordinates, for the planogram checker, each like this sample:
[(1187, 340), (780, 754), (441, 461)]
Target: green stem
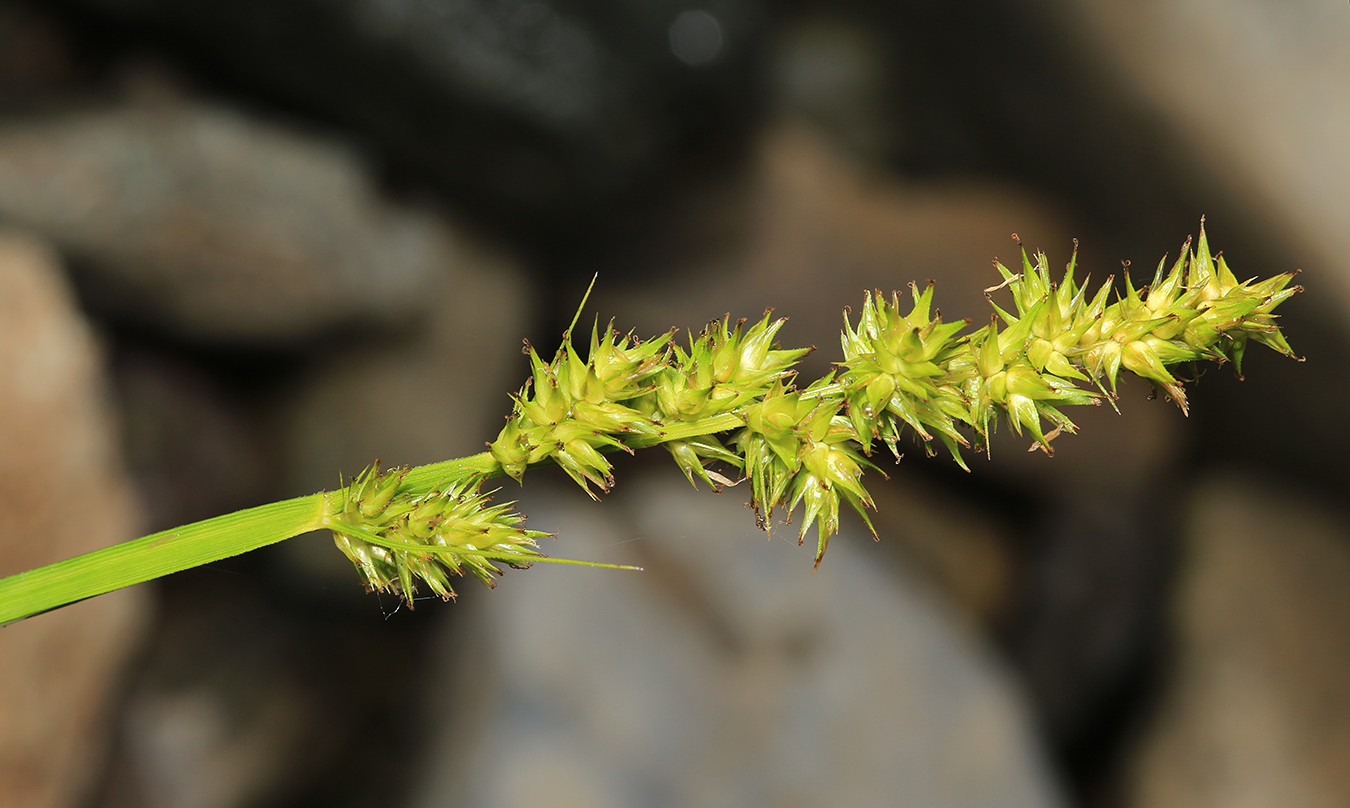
[(690, 429), (424, 478), (169, 551)]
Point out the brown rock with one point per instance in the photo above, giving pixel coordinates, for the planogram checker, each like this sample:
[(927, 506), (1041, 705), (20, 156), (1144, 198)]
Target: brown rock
[(1258, 707), (1256, 91), (62, 493)]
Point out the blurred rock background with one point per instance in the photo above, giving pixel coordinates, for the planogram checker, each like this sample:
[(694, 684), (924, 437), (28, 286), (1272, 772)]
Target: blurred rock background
[(249, 246)]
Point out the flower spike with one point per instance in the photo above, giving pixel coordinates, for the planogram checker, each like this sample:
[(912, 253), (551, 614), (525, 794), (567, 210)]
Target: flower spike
[(731, 398), (1057, 344), (398, 538)]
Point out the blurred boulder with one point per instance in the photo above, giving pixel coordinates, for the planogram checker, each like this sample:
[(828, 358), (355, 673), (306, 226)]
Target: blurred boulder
[(724, 674), (1257, 92), (63, 493), (196, 219), (1256, 710), (439, 390), (537, 114)]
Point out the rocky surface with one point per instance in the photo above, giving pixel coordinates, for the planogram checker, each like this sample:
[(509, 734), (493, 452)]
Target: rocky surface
[(1258, 94), (195, 219), (541, 113), (1256, 701), (724, 674), (63, 492)]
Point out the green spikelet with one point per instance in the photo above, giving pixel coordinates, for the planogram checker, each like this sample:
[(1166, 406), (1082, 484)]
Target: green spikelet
[(798, 450), (573, 409), (1196, 310), (897, 372), (399, 538), (1059, 344), (725, 369)]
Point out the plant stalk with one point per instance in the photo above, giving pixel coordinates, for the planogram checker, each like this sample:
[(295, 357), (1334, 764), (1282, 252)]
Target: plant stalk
[(168, 551)]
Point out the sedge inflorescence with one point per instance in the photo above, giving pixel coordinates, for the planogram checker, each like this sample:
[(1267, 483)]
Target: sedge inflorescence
[(398, 537), (730, 400)]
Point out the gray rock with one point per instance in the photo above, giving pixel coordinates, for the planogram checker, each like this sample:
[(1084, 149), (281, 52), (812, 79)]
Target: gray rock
[(195, 218), (1256, 91), (726, 674), (62, 493), (1255, 712)]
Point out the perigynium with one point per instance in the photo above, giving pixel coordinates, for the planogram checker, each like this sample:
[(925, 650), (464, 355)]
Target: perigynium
[(729, 409)]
